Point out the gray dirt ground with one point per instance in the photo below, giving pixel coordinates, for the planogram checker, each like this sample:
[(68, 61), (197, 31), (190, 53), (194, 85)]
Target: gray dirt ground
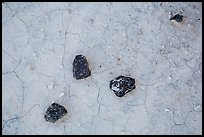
[(40, 41)]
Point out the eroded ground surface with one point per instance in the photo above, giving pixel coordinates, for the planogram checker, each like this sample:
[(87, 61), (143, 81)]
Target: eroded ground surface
[(41, 40)]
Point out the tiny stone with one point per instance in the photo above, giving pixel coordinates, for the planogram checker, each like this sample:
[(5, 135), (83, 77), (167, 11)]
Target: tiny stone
[(80, 67), (54, 112), (177, 18), (122, 85)]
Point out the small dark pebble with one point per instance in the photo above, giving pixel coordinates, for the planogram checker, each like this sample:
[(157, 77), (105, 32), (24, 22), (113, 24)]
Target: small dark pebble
[(54, 112), (122, 85), (177, 18), (80, 67)]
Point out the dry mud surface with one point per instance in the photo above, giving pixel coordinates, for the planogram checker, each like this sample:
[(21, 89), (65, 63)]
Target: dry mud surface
[(41, 40)]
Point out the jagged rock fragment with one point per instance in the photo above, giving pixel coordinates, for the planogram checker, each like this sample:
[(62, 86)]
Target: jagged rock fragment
[(54, 112), (80, 67), (177, 17), (122, 85)]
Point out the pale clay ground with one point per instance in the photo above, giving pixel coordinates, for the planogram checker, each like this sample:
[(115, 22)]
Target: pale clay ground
[(40, 41)]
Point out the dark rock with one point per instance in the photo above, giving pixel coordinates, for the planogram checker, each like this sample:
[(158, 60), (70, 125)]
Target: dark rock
[(54, 112), (80, 67), (122, 85), (177, 18)]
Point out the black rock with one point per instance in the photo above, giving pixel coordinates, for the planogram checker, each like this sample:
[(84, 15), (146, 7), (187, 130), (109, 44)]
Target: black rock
[(177, 18), (80, 67), (122, 85), (54, 112)]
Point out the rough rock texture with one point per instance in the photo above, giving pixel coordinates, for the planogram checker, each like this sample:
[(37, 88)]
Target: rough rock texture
[(80, 67), (54, 112), (177, 18), (122, 85)]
